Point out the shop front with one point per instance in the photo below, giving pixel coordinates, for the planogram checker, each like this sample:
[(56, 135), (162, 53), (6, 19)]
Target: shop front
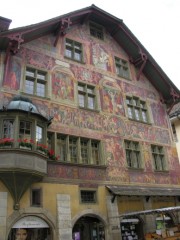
[(131, 228), (30, 228)]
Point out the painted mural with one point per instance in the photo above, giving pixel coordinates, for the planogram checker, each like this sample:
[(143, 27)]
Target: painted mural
[(83, 74), (13, 77), (62, 86), (72, 172), (159, 114)]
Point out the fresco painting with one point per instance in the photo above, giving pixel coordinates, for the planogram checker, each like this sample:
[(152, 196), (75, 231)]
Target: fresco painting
[(13, 77), (62, 86), (112, 101), (83, 74), (100, 57), (159, 114), (72, 172), (36, 59)]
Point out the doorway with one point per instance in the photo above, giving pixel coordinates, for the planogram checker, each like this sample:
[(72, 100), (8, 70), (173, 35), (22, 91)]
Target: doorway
[(88, 228)]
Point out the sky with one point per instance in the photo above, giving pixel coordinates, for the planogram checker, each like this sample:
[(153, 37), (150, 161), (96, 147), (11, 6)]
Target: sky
[(155, 23)]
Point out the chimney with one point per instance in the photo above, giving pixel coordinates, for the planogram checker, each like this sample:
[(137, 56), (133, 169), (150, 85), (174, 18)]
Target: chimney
[(4, 23)]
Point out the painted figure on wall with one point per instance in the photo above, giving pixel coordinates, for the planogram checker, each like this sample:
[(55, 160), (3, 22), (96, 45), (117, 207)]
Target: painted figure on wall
[(14, 75), (100, 58), (62, 86), (112, 101)]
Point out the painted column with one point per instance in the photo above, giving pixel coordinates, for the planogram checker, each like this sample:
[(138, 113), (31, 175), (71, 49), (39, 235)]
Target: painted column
[(3, 214), (114, 221), (64, 226)]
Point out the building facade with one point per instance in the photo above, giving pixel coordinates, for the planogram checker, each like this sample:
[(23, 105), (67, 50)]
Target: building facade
[(84, 132), (175, 123)]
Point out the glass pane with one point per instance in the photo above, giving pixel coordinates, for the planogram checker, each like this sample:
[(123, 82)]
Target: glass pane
[(39, 134), (30, 72), (8, 128), (29, 86), (95, 152), (81, 100), (130, 112), (77, 56), (68, 53), (144, 116), (41, 76), (137, 114), (91, 102), (41, 89)]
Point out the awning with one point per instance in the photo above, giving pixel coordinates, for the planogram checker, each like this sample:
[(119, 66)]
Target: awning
[(143, 191), (148, 212)]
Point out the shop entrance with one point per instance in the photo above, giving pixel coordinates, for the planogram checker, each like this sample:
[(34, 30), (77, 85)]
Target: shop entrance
[(30, 228), (88, 228), (131, 228)]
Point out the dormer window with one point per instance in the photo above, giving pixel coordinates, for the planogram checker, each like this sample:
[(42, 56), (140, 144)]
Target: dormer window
[(96, 31)]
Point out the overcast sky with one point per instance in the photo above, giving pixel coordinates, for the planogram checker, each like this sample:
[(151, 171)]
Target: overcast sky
[(156, 23)]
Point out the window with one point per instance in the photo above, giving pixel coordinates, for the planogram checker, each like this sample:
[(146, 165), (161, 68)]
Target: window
[(39, 134), (96, 31), (158, 157), (133, 155), (79, 150), (137, 109), (174, 132), (88, 196), (73, 50), (36, 197), (35, 82), (122, 68), (87, 96), (25, 130), (8, 128)]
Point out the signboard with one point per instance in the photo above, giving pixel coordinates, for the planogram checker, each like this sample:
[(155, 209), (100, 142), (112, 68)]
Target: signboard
[(31, 222)]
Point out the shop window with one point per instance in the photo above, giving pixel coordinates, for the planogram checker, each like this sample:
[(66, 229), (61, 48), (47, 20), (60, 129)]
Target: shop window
[(158, 157), (122, 67), (8, 128), (73, 50), (36, 197), (96, 30), (35, 82), (88, 196), (131, 229), (137, 109), (87, 96), (133, 154), (79, 150)]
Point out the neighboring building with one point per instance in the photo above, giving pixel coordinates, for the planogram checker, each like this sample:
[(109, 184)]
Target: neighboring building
[(175, 123), (84, 129)]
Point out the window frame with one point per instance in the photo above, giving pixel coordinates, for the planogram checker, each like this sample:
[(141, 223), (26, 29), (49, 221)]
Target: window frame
[(163, 162), (89, 92), (95, 197), (74, 48), (129, 151), (39, 191), (62, 141), (137, 109), (35, 79), (122, 67), (98, 30)]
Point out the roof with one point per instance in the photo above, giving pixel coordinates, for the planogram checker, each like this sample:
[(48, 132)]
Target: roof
[(139, 56), (143, 191), (23, 104), (175, 111)]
